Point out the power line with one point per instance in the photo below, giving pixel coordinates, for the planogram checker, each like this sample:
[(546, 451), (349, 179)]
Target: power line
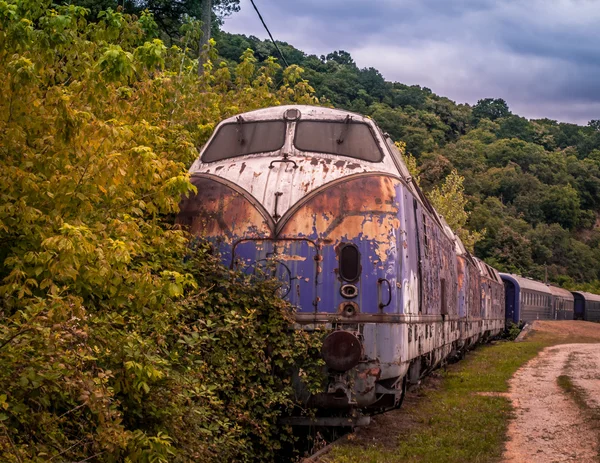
[(269, 32)]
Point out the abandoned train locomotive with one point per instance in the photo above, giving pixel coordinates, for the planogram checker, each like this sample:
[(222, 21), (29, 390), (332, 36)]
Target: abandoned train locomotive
[(323, 199)]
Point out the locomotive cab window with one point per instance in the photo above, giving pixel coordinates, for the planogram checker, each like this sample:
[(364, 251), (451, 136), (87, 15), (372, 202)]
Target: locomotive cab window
[(349, 259), (344, 138), (243, 138)]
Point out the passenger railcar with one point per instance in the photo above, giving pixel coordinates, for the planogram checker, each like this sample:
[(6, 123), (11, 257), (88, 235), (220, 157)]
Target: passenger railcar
[(321, 198), (526, 300), (587, 306), (492, 291), (562, 303)]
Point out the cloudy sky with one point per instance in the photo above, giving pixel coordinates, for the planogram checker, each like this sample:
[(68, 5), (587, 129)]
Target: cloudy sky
[(541, 56)]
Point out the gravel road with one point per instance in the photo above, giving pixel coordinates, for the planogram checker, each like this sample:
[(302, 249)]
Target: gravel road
[(549, 425)]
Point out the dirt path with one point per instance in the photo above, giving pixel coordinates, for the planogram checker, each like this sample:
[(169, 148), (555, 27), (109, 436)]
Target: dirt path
[(549, 425)]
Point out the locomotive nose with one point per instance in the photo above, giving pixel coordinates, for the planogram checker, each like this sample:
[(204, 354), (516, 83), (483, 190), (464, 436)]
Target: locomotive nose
[(341, 350)]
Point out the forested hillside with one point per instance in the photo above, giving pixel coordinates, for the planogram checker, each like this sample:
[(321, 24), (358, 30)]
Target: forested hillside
[(533, 185)]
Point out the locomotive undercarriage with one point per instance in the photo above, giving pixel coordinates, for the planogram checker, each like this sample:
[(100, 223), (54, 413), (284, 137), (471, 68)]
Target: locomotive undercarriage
[(373, 386)]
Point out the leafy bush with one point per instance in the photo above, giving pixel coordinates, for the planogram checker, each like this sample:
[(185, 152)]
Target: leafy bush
[(116, 341), (512, 330)]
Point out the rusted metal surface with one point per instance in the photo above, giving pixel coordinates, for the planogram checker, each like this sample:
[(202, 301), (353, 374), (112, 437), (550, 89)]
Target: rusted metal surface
[(341, 350), (223, 211), (312, 169)]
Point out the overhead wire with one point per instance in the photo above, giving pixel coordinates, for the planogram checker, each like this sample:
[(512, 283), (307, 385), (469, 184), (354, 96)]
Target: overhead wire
[(269, 32)]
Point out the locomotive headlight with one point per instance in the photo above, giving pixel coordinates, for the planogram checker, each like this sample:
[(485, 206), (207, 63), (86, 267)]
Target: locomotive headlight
[(341, 350)]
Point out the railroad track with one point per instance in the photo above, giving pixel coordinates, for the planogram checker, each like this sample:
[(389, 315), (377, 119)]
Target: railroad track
[(315, 457)]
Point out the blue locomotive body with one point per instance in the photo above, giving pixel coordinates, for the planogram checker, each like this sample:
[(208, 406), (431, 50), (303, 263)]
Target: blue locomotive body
[(321, 199)]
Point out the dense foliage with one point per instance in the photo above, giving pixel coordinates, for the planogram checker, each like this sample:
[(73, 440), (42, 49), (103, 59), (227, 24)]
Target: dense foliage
[(168, 14), (532, 185), (119, 342)]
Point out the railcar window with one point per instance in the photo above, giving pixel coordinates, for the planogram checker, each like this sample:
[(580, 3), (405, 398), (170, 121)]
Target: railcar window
[(344, 138), (242, 138)]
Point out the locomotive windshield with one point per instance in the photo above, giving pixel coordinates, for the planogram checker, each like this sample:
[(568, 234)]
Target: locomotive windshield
[(344, 138), (242, 138)]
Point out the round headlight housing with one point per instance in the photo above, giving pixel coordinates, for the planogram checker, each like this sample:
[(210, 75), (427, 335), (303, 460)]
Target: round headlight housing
[(341, 350)]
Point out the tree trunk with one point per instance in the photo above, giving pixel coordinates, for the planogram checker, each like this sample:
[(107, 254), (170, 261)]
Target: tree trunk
[(206, 23)]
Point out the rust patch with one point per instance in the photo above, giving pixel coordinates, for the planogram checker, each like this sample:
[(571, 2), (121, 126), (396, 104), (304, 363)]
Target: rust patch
[(348, 309), (290, 257), (375, 371), (219, 211), (359, 207)]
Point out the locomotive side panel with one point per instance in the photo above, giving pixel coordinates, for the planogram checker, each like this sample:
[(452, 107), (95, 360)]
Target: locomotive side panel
[(438, 261)]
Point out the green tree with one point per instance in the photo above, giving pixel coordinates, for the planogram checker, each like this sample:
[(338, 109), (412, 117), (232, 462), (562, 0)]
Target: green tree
[(561, 205), (168, 14), (450, 202), (490, 108)]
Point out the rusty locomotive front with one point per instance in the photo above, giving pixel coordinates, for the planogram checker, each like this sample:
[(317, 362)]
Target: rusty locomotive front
[(322, 198)]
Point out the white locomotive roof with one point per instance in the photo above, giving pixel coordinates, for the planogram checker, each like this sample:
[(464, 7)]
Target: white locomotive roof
[(301, 172), (306, 111), (526, 283)]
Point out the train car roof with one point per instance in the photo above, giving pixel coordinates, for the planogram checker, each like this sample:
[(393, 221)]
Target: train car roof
[(587, 296), (526, 283), (487, 270), (560, 292)]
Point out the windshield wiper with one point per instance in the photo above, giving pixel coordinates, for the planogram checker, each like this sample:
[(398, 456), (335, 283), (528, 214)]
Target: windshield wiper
[(240, 130), (347, 121)]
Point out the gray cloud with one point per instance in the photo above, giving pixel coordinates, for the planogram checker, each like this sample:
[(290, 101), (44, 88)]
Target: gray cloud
[(542, 56)]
